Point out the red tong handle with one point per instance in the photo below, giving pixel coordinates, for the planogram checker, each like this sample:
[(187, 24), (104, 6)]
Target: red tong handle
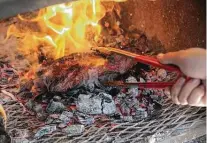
[(154, 62)]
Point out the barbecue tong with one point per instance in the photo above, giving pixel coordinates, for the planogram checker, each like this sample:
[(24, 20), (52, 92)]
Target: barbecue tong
[(144, 60)]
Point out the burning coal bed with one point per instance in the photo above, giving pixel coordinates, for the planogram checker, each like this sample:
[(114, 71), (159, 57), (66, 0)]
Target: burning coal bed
[(69, 94)]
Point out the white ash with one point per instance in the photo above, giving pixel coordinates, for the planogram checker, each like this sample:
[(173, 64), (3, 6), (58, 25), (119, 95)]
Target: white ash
[(133, 91), (108, 104), (161, 74), (90, 86), (121, 95), (127, 118), (141, 113), (55, 107), (66, 116), (45, 131), (141, 80), (74, 130), (132, 79), (89, 104), (96, 104), (57, 98), (62, 125)]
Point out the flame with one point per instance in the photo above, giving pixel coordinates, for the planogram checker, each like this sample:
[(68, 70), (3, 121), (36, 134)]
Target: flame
[(62, 30), (63, 27)]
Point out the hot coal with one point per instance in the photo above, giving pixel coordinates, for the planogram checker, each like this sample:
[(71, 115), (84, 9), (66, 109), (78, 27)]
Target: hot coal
[(96, 104), (69, 93), (74, 130), (71, 82), (55, 107), (44, 131)]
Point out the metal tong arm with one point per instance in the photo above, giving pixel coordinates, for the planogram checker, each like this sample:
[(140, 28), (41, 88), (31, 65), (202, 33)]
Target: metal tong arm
[(140, 58), (144, 60)]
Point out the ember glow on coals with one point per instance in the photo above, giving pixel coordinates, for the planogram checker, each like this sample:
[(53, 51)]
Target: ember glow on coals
[(66, 91)]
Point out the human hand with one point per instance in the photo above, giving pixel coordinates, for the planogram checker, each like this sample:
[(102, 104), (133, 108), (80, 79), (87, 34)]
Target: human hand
[(192, 63)]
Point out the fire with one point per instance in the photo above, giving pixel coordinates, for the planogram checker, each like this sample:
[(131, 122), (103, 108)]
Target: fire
[(63, 26), (62, 30)]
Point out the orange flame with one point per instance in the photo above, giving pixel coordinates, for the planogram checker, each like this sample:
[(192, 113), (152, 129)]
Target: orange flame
[(63, 27), (62, 31)]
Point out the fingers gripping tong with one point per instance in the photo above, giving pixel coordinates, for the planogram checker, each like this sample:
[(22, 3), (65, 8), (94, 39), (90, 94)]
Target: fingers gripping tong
[(144, 60)]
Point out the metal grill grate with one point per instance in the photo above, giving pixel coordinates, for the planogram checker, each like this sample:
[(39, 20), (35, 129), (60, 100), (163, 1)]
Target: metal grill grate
[(172, 120)]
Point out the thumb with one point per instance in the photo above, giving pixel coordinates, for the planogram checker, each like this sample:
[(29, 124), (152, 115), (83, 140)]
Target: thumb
[(169, 58)]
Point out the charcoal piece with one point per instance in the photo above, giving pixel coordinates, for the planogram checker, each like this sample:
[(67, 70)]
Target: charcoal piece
[(140, 114), (127, 118), (85, 119), (89, 104), (45, 131), (66, 116), (57, 98), (49, 120), (53, 119), (74, 130), (30, 104), (114, 91), (116, 116), (4, 137), (55, 107), (96, 104), (157, 106), (37, 109)]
